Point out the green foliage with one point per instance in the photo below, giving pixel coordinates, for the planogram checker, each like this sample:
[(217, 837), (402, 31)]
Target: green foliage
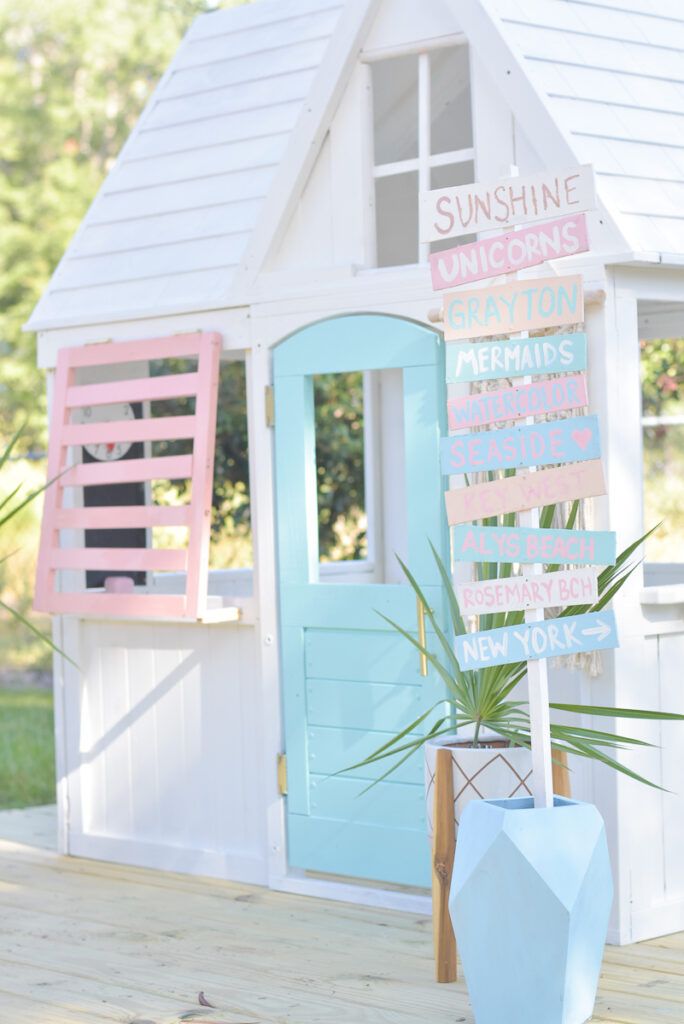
[(74, 78), (14, 503), (27, 756), (662, 376), (340, 466)]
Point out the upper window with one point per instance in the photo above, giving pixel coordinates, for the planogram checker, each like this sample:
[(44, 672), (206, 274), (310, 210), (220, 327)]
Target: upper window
[(422, 139), (662, 377)]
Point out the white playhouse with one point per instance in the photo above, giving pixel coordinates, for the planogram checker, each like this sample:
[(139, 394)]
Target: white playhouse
[(264, 212)]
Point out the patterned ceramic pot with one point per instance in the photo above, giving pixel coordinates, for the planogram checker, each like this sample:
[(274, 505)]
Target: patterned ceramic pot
[(530, 900), (482, 773)]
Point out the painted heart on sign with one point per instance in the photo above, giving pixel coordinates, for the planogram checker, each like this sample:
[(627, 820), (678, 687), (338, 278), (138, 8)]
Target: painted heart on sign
[(581, 437)]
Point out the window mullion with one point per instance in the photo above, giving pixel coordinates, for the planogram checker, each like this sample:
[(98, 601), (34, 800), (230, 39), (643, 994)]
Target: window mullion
[(423, 139), (456, 156)]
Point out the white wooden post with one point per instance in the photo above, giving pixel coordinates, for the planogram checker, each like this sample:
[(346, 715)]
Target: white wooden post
[(538, 696), (537, 673), (424, 132)]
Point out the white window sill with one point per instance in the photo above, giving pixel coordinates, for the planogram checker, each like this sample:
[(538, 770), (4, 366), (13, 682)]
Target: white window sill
[(219, 611), (666, 594)]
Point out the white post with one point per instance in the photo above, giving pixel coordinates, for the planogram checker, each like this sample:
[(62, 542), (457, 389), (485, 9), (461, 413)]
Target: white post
[(537, 674), (538, 696), (424, 130)]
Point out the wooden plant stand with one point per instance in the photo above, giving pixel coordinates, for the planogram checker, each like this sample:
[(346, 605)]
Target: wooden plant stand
[(444, 850)]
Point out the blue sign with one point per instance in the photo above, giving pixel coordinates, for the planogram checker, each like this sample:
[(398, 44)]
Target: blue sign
[(595, 631), (525, 545), (489, 360), (574, 439)]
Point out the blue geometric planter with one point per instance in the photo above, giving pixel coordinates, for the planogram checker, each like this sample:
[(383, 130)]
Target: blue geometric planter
[(530, 899)]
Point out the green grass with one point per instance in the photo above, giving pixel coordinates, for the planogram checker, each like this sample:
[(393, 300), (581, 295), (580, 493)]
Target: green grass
[(27, 756), (21, 649)]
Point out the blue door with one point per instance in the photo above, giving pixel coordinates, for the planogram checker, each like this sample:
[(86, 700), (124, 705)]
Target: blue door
[(349, 681)]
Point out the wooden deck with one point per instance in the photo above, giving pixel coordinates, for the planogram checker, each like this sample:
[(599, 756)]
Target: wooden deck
[(87, 942)]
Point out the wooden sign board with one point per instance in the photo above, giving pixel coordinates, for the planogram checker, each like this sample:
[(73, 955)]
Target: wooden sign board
[(524, 491), (516, 357), (527, 545), (526, 247), (515, 403), (551, 638), (517, 306), (575, 439), (521, 593), (467, 209)]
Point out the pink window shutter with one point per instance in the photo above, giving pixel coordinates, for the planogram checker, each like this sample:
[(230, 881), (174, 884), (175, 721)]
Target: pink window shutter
[(65, 473)]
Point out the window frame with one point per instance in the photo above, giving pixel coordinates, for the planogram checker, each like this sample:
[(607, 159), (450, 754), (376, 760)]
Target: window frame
[(425, 161)]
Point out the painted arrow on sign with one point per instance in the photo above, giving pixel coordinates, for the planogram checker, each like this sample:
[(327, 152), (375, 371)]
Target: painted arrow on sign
[(531, 641)]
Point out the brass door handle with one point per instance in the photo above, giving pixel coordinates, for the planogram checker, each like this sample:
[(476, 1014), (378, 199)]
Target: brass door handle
[(421, 636)]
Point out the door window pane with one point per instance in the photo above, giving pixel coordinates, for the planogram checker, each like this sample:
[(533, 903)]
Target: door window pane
[(395, 109), (340, 467), (450, 116), (662, 375), (396, 217)]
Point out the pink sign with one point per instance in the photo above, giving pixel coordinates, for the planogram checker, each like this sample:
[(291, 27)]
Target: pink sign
[(526, 247), (534, 590), (524, 491), (516, 306), (515, 403)]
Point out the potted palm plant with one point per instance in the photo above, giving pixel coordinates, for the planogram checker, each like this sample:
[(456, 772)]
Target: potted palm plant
[(481, 720), (11, 505)]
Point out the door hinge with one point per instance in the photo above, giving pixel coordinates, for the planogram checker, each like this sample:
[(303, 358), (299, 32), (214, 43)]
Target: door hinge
[(269, 405), (282, 774)]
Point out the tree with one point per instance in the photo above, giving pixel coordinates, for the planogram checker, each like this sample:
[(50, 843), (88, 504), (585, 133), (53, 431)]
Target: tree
[(74, 78)]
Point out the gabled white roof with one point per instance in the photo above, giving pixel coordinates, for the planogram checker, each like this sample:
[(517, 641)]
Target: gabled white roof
[(227, 139), (172, 220), (612, 74)]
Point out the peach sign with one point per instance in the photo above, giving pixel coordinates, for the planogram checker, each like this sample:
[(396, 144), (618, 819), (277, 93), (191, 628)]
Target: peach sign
[(526, 247), (524, 491), (517, 306)]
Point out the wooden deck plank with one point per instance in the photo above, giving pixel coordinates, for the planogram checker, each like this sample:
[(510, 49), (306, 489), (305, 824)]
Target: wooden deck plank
[(86, 942)]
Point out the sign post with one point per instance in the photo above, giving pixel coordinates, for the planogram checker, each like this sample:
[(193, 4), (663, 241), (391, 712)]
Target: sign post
[(537, 672)]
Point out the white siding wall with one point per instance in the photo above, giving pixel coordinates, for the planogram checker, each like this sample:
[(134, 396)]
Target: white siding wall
[(163, 746)]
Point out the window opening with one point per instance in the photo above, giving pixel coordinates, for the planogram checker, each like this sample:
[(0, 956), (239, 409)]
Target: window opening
[(231, 525), (422, 123), (230, 544), (662, 388)]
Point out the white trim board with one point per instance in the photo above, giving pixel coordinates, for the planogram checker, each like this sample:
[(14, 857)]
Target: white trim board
[(162, 857), (307, 138), (349, 892)]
